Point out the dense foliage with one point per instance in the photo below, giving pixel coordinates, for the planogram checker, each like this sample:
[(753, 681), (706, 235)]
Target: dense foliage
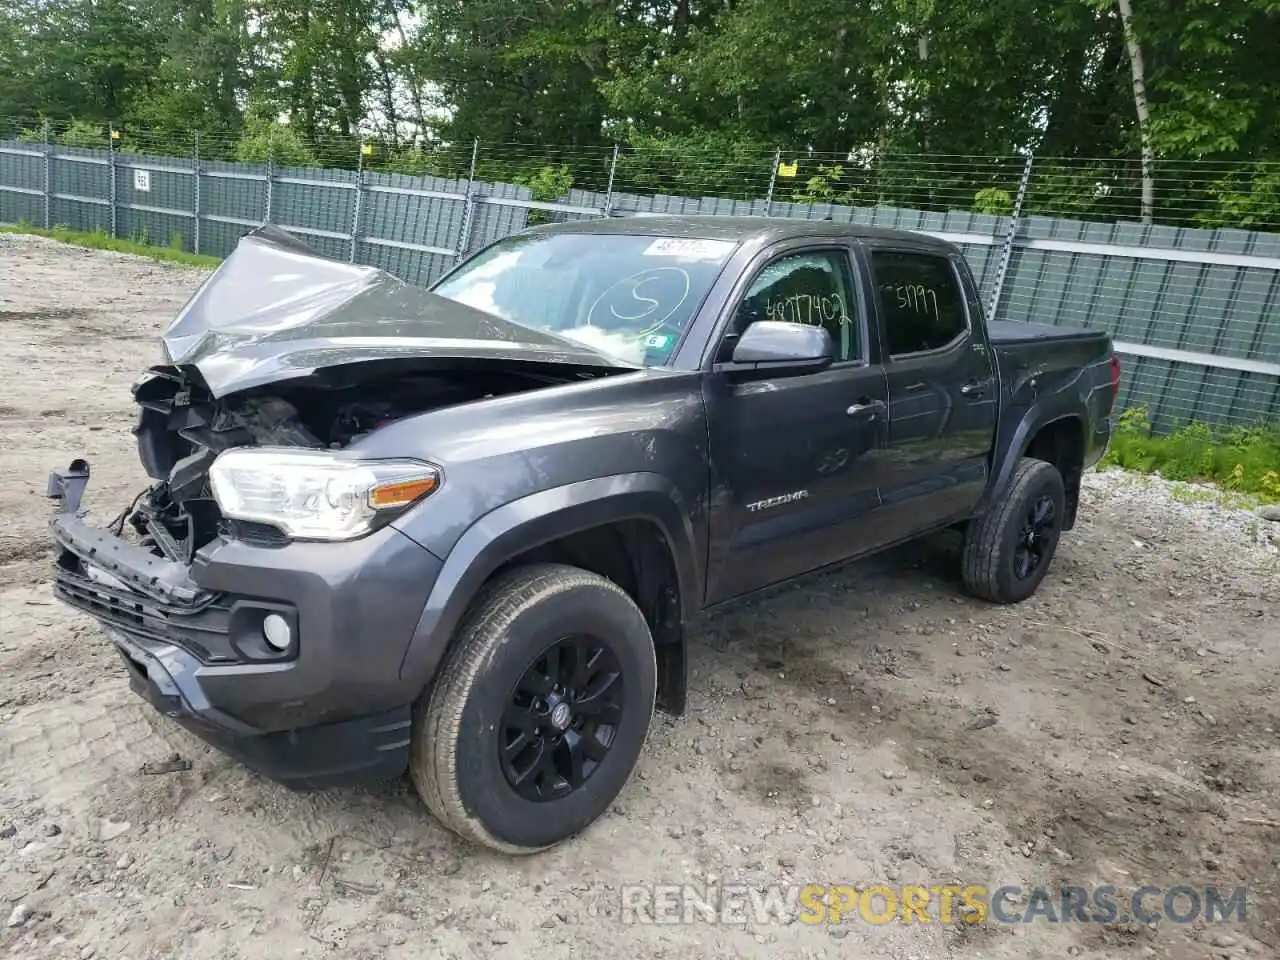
[(697, 90), (1243, 460)]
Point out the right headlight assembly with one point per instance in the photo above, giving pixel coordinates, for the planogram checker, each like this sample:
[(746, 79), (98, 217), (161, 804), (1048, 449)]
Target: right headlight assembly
[(316, 494)]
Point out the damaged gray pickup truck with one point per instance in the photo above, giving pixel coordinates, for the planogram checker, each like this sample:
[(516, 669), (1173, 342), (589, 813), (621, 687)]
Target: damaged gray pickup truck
[(460, 532)]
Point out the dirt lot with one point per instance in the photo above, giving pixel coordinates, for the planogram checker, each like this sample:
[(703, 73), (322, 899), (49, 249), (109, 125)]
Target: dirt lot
[(867, 725)]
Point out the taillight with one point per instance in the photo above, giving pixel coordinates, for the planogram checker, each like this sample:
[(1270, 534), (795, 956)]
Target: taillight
[(1115, 376)]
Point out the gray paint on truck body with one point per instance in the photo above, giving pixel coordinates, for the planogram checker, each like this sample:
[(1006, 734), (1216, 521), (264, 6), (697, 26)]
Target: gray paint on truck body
[(672, 446)]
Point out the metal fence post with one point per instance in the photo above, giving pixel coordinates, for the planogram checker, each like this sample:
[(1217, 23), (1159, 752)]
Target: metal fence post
[(355, 206), (608, 193), (468, 211), (1006, 252), (111, 147), (48, 175), (773, 181), (271, 176), (195, 203)]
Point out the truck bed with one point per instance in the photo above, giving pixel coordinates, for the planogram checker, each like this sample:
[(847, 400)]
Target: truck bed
[(1009, 332), (1037, 359)]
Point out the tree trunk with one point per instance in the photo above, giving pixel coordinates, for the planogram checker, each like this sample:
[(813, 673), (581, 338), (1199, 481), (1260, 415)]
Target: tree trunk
[(1140, 104), (1068, 109), (388, 92), (681, 18), (926, 111), (411, 75)]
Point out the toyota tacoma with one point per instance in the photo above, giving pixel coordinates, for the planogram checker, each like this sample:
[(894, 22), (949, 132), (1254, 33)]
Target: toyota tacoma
[(460, 531)]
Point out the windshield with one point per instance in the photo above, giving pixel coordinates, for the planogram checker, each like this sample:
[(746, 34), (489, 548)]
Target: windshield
[(627, 296)]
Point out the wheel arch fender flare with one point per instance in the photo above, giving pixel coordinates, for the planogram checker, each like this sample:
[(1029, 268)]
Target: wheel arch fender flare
[(540, 518), (1053, 410)]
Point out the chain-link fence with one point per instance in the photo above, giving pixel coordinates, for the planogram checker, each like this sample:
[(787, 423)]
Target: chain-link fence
[(1193, 303)]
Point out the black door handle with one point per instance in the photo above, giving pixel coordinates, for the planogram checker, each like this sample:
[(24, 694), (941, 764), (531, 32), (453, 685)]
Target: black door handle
[(866, 409), (975, 388)]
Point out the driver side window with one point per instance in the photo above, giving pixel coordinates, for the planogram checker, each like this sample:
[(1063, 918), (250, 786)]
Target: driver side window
[(813, 287)]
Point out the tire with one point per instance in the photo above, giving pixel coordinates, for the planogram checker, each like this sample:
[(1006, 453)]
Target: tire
[(995, 556), (461, 724)]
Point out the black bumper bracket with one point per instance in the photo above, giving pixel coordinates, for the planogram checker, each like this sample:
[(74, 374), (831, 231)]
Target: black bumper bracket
[(68, 485)]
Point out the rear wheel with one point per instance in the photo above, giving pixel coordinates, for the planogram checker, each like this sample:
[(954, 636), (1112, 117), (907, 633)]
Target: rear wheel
[(540, 711), (1008, 550)]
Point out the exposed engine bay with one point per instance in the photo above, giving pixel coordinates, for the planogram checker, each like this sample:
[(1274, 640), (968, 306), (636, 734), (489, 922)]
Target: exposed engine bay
[(280, 347), (182, 429)]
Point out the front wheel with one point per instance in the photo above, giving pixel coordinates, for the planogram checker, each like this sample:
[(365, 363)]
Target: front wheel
[(1007, 551), (540, 710)]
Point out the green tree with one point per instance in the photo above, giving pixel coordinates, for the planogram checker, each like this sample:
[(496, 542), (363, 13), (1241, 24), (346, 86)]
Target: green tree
[(514, 70), (268, 140), (201, 78), (912, 101)]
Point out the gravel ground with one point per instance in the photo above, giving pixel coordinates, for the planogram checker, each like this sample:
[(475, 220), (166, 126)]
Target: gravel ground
[(870, 724)]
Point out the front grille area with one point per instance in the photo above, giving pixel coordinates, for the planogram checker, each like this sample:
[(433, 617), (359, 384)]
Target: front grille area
[(202, 630)]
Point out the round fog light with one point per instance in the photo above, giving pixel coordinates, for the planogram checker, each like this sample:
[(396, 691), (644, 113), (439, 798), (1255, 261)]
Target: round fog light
[(275, 629)]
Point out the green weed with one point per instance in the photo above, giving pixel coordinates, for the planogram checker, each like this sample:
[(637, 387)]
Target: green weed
[(101, 240), (1244, 461)]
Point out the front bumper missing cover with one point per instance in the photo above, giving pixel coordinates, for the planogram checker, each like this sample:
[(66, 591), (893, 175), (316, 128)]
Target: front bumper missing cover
[(127, 564), (176, 638)]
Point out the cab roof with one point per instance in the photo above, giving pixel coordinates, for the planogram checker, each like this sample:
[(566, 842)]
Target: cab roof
[(763, 230)]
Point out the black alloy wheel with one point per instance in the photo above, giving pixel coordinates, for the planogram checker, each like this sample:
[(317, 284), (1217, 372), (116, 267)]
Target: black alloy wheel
[(1035, 538), (538, 714), (561, 718), (1009, 547)]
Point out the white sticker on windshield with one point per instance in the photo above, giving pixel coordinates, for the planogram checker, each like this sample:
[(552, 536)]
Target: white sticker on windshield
[(689, 248)]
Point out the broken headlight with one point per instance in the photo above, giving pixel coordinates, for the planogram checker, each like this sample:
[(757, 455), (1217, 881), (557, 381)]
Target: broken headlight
[(316, 494)]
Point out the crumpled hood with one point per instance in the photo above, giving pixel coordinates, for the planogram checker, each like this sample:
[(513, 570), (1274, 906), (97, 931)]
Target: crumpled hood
[(276, 310)]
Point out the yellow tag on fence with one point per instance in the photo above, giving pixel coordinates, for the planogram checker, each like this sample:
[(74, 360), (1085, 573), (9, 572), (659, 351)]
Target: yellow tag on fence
[(366, 149), (788, 169)]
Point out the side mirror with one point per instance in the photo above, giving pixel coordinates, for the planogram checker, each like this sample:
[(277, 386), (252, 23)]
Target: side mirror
[(774, 347)]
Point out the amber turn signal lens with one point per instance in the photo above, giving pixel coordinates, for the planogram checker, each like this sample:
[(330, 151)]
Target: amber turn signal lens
[(400, 493)]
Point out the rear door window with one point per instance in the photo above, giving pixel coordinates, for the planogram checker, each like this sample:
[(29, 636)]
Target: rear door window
[(920, 300)]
